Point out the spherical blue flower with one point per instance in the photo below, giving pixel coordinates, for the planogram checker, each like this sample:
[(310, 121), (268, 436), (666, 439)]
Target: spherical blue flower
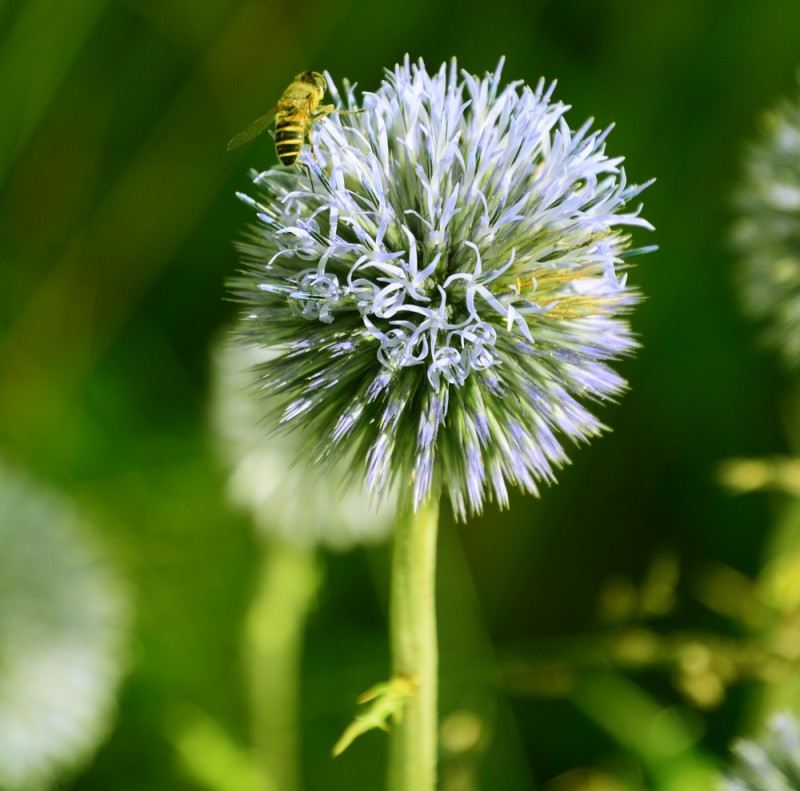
[(445, 280)]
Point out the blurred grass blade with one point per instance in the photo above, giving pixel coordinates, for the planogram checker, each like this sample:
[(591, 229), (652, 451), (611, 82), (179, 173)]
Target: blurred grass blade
[(35, 57), (660, 737), (211, 757)]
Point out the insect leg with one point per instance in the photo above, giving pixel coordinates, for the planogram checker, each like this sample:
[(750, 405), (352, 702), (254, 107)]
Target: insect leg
[(310, 176), (328, 109), (311, 146)]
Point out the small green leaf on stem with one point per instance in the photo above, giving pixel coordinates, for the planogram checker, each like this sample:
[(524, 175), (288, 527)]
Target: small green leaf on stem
[(386, 700)]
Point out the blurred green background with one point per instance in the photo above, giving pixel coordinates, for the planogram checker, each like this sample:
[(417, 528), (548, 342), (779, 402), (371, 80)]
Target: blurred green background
[(117, 218)]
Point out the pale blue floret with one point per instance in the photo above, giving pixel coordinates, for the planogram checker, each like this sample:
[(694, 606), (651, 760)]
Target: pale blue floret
[(413, 285)]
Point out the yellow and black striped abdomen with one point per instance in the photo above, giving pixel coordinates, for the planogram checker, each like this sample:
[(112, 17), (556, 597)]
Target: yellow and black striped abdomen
[(290, 132), (293, 114)]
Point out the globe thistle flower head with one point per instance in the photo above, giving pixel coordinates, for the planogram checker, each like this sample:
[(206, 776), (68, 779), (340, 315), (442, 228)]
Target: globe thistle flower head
[(767, 232), (770, 764), (447, 287)]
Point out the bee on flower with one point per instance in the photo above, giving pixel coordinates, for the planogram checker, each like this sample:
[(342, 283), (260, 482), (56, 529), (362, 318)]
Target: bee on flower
[(450, 292)]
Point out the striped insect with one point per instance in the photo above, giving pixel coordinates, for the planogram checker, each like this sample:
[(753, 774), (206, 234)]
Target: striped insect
[(294, 113)]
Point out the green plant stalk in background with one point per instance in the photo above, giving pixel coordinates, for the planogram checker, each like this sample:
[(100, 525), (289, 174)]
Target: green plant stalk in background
[(413, 750), (290, 578)]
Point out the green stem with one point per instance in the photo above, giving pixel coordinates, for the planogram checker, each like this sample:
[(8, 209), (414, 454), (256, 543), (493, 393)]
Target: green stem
[(413, 750), (274, 640)]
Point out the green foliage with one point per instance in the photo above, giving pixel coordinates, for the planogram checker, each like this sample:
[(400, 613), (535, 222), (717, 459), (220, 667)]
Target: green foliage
[(116, 215)]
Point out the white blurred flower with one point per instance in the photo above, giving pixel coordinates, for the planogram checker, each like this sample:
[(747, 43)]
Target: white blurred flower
[(303, 504), (63, 619), (767, 232)]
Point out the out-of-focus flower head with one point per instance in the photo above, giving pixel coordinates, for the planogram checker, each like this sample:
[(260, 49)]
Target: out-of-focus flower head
[(769, 764), (63, 626), (767, 232), (270, 479), (450, 291)]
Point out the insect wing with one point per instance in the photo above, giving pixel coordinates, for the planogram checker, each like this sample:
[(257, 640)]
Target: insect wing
[(254, 129)]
